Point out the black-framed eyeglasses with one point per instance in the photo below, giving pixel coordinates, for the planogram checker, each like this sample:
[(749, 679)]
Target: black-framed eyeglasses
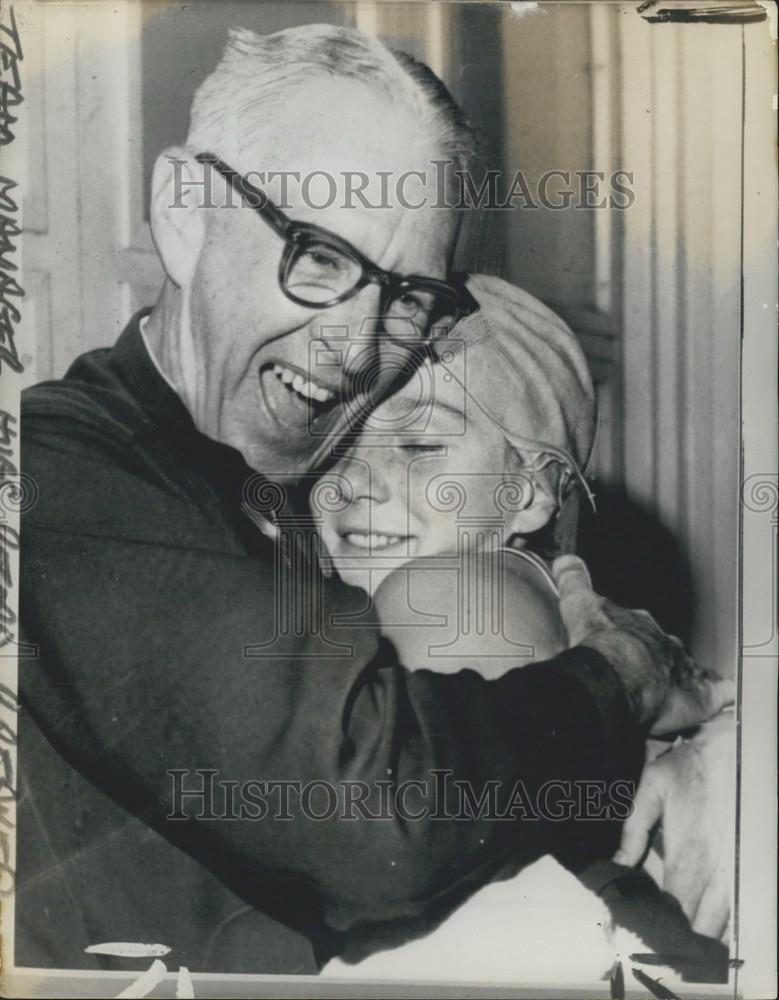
[(319, 269)]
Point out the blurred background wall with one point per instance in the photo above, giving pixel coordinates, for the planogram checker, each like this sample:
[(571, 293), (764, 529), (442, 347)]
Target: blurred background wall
[(652, 290)]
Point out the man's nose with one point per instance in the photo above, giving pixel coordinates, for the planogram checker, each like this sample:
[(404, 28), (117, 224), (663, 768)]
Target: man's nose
[(355, 320), (354, 332)]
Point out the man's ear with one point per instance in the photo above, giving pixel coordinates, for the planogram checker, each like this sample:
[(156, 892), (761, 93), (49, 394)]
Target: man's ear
[(177, 222)]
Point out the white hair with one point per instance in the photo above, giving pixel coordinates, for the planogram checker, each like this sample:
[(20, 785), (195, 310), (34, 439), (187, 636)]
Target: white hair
[(246, 95)]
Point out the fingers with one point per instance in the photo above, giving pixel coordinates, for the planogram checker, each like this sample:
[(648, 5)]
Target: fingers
[(580, 607), (711, 917), (685, 879), (723, 693), (647, 810), (571, 575)]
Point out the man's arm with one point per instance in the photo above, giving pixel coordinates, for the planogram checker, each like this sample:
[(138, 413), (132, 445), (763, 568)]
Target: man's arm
[(142, 614)]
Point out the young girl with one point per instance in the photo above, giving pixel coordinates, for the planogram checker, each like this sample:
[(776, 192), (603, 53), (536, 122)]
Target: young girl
[(467, 468)]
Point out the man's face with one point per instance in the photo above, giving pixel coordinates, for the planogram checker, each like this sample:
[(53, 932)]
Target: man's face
[(267, 369)]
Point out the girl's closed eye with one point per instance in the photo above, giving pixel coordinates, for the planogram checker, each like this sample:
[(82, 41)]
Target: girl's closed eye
[(421, 447)]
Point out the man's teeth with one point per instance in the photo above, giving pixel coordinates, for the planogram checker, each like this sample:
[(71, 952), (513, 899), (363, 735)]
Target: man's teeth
[(308, 389), (372, 541)]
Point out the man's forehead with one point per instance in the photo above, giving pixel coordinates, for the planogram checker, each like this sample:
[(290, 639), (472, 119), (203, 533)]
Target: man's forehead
[(345, 157), (349, 119), (341, 143)]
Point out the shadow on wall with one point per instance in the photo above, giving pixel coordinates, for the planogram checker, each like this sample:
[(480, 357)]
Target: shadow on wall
[(635, 561)]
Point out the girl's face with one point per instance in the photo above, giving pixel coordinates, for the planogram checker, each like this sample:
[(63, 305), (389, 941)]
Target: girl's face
[(426, 477)]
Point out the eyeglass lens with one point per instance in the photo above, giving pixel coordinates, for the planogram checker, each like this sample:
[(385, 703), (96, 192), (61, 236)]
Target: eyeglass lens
[(319, 273)]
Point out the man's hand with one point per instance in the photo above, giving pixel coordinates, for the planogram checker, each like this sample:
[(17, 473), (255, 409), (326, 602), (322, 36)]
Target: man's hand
[(691, 788), (665, 689)]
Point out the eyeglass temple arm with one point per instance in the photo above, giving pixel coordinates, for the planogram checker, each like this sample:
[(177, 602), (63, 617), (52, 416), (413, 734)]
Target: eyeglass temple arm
[(255, 197)]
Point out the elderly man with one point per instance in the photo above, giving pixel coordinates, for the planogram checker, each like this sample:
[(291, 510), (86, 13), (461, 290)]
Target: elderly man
[(170, 721)]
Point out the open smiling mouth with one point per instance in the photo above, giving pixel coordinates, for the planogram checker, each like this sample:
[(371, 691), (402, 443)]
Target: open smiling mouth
[(374, 540), (293, 399)]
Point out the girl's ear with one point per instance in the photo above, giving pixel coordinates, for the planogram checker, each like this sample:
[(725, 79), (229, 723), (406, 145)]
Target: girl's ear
[(538, 513), (177, 223)]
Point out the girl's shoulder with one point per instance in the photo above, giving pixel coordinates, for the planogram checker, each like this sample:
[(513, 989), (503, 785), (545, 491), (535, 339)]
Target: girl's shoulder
[(487, 612)]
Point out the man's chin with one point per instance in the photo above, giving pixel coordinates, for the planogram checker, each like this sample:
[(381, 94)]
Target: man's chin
[(266, 448), (285, 461)]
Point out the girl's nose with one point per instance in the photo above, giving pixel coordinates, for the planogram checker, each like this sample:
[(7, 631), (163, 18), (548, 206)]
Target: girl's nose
[(365, 475)]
